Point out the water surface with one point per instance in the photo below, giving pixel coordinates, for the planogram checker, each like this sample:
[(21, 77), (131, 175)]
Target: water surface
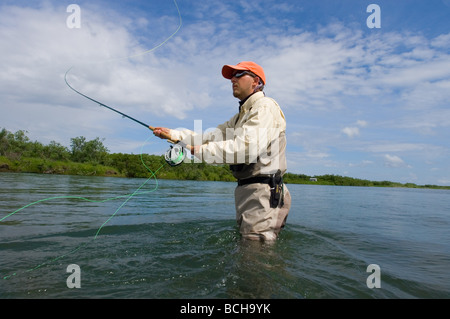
[(178, 239)]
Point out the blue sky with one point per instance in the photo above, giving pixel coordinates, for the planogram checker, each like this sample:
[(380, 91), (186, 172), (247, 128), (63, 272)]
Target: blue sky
[(369, 103)]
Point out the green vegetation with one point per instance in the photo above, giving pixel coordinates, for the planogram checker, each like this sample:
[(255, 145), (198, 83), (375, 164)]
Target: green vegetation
[(19, 154), (348, 181), (92, 158)]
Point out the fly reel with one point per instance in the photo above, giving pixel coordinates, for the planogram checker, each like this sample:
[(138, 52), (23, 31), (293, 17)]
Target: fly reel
[(175, 155)]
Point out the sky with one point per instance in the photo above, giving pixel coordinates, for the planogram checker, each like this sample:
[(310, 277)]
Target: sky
[(361, 100)]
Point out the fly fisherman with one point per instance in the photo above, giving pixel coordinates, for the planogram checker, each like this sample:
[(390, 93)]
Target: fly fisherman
[(253, 142)]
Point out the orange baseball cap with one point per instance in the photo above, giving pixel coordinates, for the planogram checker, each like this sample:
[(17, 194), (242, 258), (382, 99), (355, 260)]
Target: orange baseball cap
[(228, 70)]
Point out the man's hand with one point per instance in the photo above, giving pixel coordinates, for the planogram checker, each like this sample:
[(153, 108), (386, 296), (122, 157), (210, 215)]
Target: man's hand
[(162, 132), (194, 149)]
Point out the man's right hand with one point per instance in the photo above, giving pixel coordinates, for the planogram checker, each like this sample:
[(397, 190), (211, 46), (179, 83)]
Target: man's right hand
[(162, 132)]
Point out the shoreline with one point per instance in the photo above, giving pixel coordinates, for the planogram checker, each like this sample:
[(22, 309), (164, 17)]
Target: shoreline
[(215, 173)]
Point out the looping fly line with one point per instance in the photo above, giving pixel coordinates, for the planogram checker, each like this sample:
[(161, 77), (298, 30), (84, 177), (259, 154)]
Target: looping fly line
[(127, 197)]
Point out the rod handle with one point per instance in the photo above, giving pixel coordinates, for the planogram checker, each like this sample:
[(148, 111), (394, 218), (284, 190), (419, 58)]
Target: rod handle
[(167, 136)]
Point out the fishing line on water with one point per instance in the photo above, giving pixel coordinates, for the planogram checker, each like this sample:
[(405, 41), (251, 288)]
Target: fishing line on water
[(87, 199), (128, 197)]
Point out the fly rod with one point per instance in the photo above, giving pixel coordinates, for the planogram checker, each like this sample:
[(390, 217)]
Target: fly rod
[(177, 152)]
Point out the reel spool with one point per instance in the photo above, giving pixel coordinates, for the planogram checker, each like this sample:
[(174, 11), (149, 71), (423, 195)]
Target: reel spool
[(175, 155)]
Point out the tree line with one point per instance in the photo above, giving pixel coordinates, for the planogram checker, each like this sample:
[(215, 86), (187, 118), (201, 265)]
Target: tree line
[(338, 180), (90, 157), (19, 154), (17, 145)]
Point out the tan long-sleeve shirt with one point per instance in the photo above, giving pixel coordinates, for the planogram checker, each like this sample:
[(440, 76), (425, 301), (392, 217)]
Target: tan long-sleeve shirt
[(254, 137)]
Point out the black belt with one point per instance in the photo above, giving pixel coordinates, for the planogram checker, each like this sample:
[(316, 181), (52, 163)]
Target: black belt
[(253, 180)]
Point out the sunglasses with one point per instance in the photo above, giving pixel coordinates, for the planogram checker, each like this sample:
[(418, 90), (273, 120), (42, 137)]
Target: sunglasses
[(242, 73)]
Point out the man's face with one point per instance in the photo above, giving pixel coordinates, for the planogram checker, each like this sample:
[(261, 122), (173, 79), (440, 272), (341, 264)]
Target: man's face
[(243, 85)]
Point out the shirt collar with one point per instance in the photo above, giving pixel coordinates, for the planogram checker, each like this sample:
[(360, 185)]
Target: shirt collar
[(242, 102)]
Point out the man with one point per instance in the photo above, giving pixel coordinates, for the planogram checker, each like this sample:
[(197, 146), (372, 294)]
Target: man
[(253, 142)]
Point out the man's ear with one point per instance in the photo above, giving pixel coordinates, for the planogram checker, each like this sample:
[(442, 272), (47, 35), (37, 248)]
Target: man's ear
[(256, 81)]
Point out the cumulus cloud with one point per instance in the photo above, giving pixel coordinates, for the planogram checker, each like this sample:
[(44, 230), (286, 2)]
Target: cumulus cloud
[(350, 131), (394, 161), (41, 48), (305, 70)]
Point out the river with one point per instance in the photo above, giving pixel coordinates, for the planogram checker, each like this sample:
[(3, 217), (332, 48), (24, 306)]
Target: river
[(137, 238)]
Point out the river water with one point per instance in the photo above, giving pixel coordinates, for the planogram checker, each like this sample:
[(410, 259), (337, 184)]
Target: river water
[(178, 239)]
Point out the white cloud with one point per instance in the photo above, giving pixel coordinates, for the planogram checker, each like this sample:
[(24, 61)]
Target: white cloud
[(441, 41), (393, 161), (361, 123), (305, 70), (363, 163), (350, 131), (382, 147), (418, 72), (41, 48), (444, 181), (316, 154), (428, 95)]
